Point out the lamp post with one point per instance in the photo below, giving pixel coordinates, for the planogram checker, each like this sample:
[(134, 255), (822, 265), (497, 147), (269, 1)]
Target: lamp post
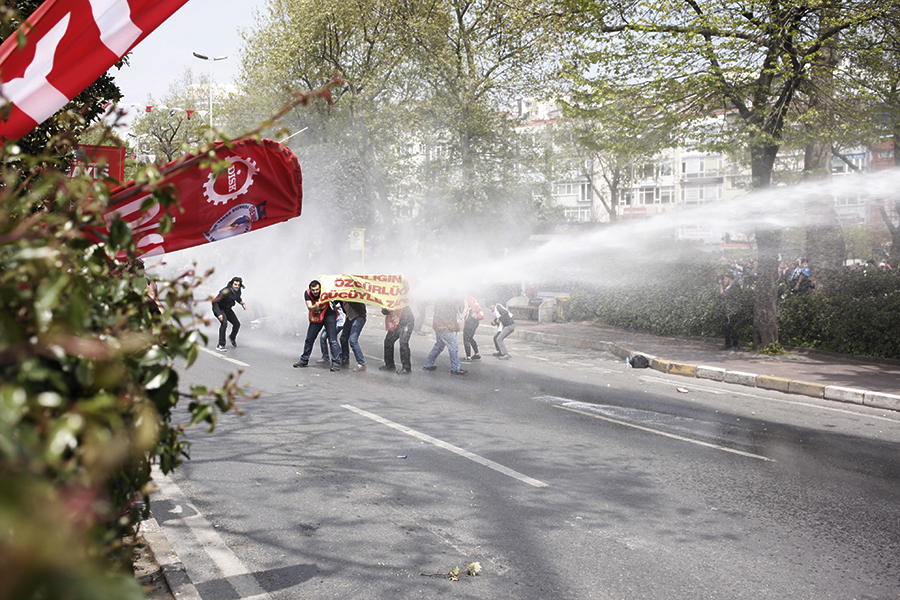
[(211, 61)]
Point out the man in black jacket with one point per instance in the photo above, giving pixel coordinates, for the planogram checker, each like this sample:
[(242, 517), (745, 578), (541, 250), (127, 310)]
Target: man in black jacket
[(223, 305)]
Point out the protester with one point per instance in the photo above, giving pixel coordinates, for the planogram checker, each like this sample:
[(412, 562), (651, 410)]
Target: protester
[(472, 319), (321, 314), (505, 326), (223, 308), (356, 320), (399, 325), (803, 282), (340, 318), (445, 323), (730, 292)]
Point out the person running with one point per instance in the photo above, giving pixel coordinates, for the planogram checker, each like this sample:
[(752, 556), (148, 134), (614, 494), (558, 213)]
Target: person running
[(223, 308), (321, 314), (505, 326)]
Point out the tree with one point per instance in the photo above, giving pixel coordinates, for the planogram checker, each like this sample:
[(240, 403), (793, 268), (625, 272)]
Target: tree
[(750, 58), (428, 86), (616, 130), (871, 82), (175, 124)]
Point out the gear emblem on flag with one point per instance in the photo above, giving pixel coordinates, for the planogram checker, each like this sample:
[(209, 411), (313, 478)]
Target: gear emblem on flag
[(232, 176)]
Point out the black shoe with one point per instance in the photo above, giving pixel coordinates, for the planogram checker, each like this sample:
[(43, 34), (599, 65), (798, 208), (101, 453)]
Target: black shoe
[(335, 367), (458, 372), (233, 342), (497, 354), (431, 368), (386, 368), (476, 357), (404, 371), (220, 347), (299, 365), (466, 359)]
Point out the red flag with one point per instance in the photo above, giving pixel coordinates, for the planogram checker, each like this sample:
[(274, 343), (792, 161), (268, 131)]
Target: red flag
[(69, 44), (262, 187)]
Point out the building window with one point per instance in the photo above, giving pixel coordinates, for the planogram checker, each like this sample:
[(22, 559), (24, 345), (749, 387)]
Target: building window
[(625, 197), (580, 215), (586, 192), (666, 195), (702, 166), (648, 195)]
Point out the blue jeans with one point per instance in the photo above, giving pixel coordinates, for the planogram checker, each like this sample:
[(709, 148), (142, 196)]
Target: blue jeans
[(323, 340), (312, 332), (350, 341), (442, 339)]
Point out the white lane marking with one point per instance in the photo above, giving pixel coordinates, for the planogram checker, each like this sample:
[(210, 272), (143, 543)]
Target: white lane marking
[(701, 388), (218, 354), (666, 434), (455, 449), (233, 570)]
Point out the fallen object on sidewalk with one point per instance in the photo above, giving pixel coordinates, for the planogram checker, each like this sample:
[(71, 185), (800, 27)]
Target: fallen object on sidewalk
[(682, 390), (639, 361)]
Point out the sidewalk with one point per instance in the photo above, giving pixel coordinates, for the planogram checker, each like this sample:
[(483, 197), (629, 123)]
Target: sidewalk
[(859, 380)]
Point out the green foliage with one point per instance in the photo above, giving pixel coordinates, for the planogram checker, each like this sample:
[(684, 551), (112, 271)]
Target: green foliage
[(677, 298), (859, 314), (856, 312), (87, 383)]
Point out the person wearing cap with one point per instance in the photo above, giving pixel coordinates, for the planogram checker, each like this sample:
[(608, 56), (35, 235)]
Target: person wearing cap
[(223, 308)]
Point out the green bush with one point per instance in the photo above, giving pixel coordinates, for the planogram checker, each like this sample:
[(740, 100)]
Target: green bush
[(859, 313), (679, 298), (87, 384), (855, 312)]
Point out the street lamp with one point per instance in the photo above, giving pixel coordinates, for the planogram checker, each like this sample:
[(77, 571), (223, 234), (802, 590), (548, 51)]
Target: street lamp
[(211, 61)]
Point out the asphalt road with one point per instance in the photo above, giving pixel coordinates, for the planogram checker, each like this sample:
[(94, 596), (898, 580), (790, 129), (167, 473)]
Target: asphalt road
[(561, 472)]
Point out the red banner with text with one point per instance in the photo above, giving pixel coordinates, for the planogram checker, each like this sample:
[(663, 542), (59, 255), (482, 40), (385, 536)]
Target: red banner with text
[(261, 187)]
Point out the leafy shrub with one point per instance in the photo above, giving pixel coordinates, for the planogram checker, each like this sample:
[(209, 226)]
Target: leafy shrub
[(856, 312), (87, 384)]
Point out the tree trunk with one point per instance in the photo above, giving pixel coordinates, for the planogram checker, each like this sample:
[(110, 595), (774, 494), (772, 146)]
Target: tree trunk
[(768, 244)]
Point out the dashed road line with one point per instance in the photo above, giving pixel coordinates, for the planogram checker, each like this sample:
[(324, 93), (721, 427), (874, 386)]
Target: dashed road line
[(223, 357), (455, 449), (665, 433)]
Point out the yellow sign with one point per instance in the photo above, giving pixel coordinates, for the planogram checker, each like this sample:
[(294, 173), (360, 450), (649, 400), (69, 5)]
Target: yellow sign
[(384, 291)]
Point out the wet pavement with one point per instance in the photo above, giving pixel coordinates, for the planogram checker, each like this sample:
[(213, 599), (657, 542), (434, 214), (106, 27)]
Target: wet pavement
[(856, 379)]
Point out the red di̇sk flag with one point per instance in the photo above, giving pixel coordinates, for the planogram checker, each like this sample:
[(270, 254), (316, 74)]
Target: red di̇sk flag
[(263, 186), (69, 44)]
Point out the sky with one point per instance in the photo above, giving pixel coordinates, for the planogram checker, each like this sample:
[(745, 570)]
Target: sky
[(208, 27)]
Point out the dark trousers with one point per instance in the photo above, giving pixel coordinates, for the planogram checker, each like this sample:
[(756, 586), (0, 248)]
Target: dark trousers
[(228, 317), (728, 322), (312, 332), (403, 332), (469, 337)]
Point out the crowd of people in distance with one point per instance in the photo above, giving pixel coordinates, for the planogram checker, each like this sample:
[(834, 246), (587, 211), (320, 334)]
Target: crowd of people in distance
[(337, 326)]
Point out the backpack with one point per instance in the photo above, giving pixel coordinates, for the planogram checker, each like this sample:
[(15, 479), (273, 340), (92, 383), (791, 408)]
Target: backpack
[(639, 361)]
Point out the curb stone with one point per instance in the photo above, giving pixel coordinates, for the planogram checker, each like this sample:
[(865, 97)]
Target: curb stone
[(790, 386), (173, 569)]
